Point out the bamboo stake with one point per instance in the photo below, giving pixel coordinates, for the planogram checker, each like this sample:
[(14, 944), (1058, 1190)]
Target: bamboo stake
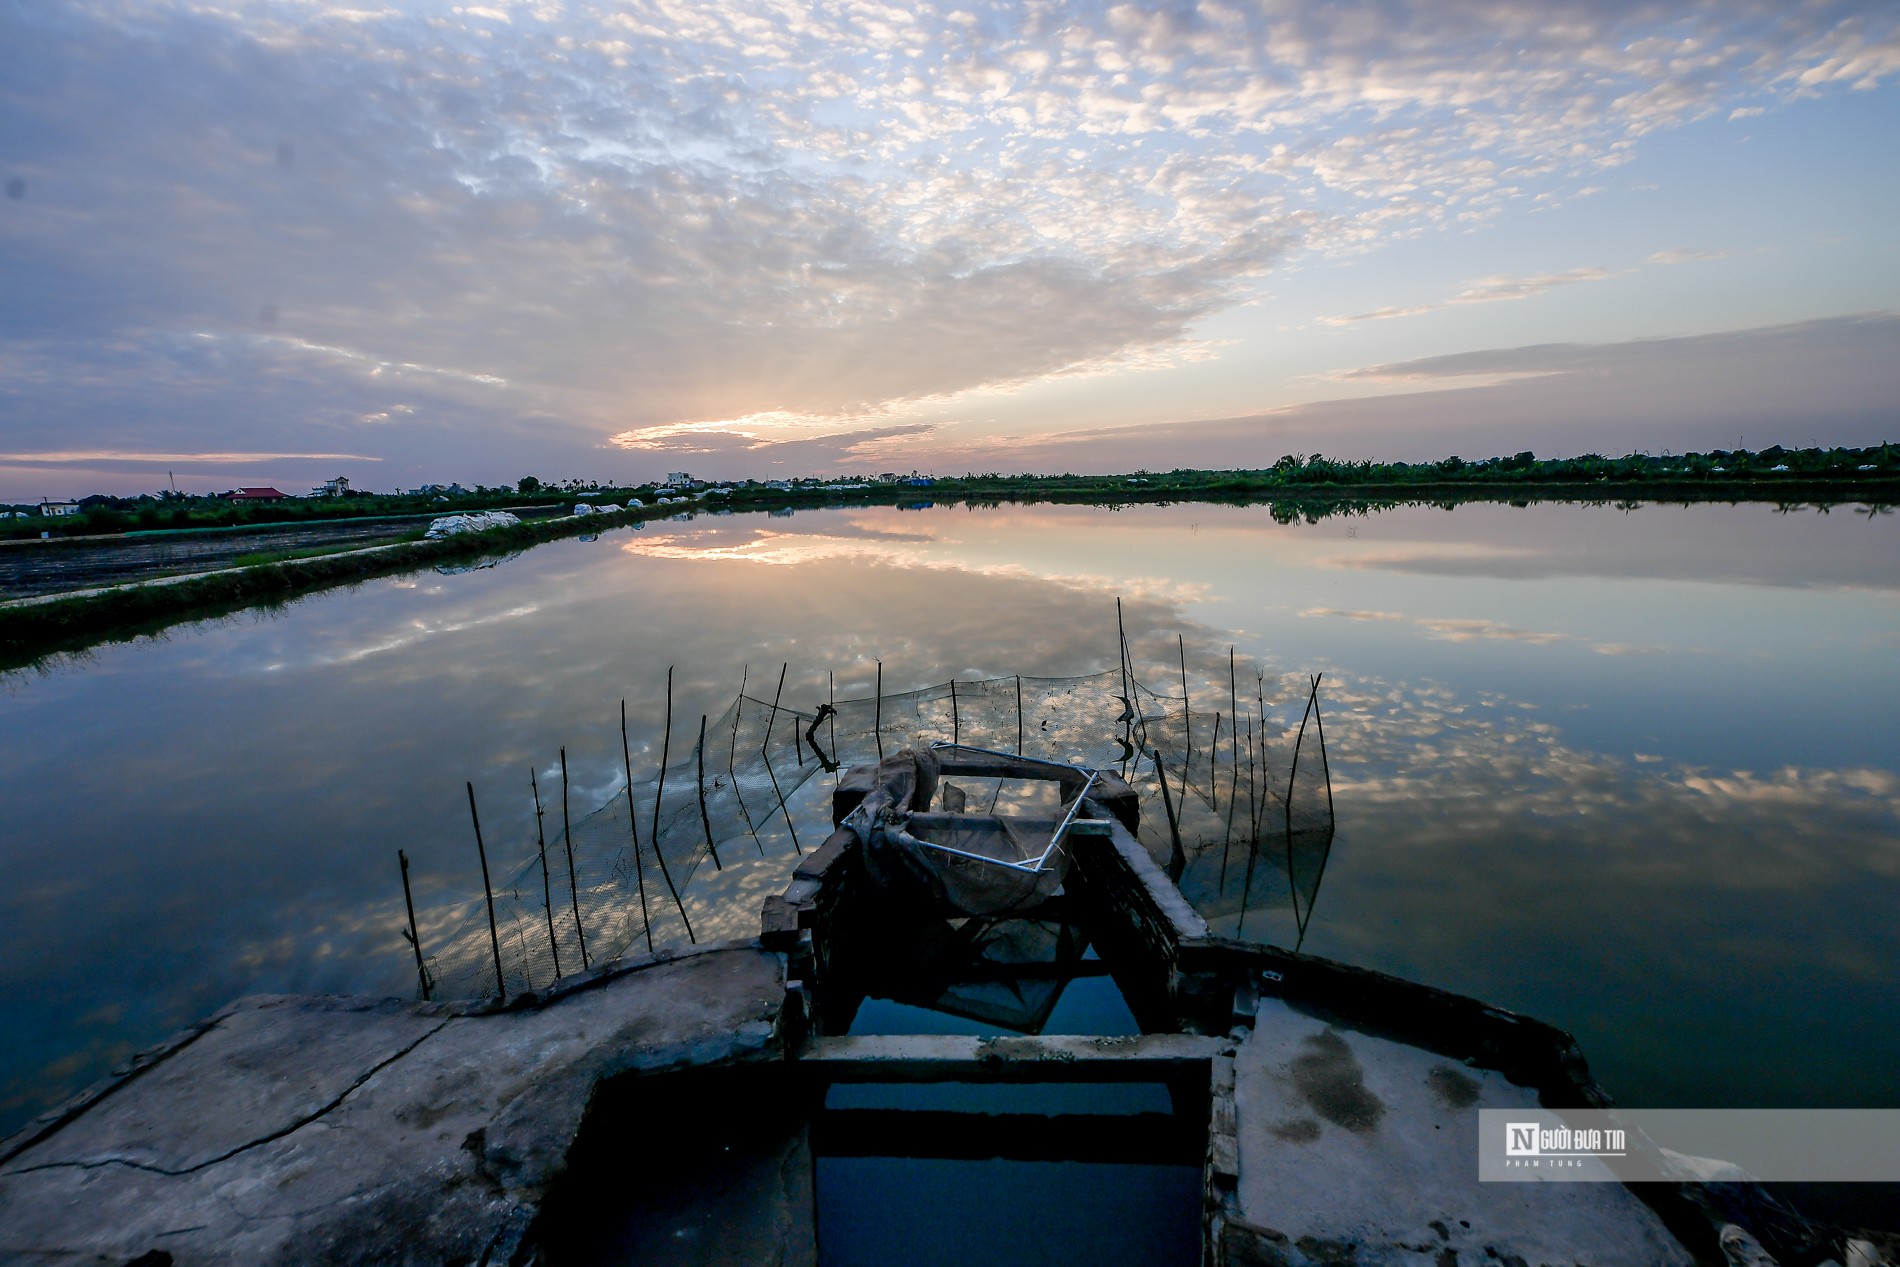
[(1319, 725), (666, 751), (1293, 768), (956, 723), (1253, 845), (494, 938), (732, 758), (1233, 705), (1233, 801), (765, 751), (633, 827), (413, 935), (1019, 714), (547, 885), (771, 723), (1260, 696), (877, 715), (1128, 699), (567, 838), (1293, 773), (1187, 721), (1213, 777), (705, 819), (1177, 857)]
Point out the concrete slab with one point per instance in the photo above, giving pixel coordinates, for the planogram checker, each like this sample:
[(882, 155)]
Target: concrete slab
[(1355, 1148), (1041, 1058), (300, 1130)]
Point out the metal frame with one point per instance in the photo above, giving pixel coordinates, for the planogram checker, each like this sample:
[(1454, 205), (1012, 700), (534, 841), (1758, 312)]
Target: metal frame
[(1036, 866)]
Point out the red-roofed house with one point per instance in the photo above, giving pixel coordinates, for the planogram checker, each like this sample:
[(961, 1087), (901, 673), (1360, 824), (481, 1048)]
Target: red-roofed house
[(256, 495)]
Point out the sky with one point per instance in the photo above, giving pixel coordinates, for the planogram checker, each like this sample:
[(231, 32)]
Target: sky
[(272, 242)]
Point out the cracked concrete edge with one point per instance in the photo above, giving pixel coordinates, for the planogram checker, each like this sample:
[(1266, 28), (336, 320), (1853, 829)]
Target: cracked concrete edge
[(576, 982), (51, 1121), (47, 1123)]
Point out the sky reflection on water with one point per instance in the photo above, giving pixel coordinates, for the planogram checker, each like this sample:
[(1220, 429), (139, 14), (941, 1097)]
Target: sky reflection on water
[(1631, 773)]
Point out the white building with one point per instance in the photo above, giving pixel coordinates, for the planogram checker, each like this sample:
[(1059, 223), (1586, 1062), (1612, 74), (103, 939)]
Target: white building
[(58, 510)]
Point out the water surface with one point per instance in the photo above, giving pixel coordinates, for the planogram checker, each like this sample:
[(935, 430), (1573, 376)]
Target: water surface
[(1631, 772)]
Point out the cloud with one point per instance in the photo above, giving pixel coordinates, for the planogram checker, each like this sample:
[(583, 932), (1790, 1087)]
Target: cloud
[(1695, 392), (538, 227), (195, 459), (1487, 290), (1447, 629), (1354, 615), (1683, 255)]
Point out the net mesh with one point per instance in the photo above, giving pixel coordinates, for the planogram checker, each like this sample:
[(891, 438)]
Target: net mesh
[(633, 870)]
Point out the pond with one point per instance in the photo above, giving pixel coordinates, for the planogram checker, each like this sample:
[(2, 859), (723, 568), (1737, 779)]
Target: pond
[(1631, 771)]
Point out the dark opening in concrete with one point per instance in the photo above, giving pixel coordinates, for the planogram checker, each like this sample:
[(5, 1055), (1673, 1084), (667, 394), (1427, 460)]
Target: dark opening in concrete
[(1025, 1174), (685, 1170)]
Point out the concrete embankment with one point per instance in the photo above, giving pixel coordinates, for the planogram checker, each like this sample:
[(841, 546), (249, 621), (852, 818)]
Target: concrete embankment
[(306, 1130)]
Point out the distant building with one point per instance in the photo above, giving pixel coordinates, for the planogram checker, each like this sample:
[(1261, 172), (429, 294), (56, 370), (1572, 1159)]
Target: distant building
[(338, 487), (58, 510), (888, 477), (678, 479), (256, 495)]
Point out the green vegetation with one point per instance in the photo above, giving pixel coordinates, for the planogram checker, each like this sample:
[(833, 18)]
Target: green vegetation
[(178, 512), (258, 558), (1758, 476), (34, 629), (1294, 488), (1768, 474)]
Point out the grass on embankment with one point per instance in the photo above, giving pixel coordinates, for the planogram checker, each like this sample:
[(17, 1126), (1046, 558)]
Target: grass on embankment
[(33, 629)]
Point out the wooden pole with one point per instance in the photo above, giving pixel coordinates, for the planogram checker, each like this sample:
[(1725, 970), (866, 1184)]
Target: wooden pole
[(1019, 714), (1177, 857), (567, 839), (765, 751), (1319, 725), (877, 715), (1293, 767), (1292, 773), (1233, 715), (1187, 720), (633, 826), (1227, 832), (956, 723), (547, 885), (1128, 699), (413, 934), (1260, 698), (732, 758), (1253, 843), (1213, 776), (494, 938), (666, 751), (1121, 638), (705, 819)]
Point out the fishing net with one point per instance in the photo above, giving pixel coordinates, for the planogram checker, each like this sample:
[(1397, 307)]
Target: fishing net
[(622, 875)]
